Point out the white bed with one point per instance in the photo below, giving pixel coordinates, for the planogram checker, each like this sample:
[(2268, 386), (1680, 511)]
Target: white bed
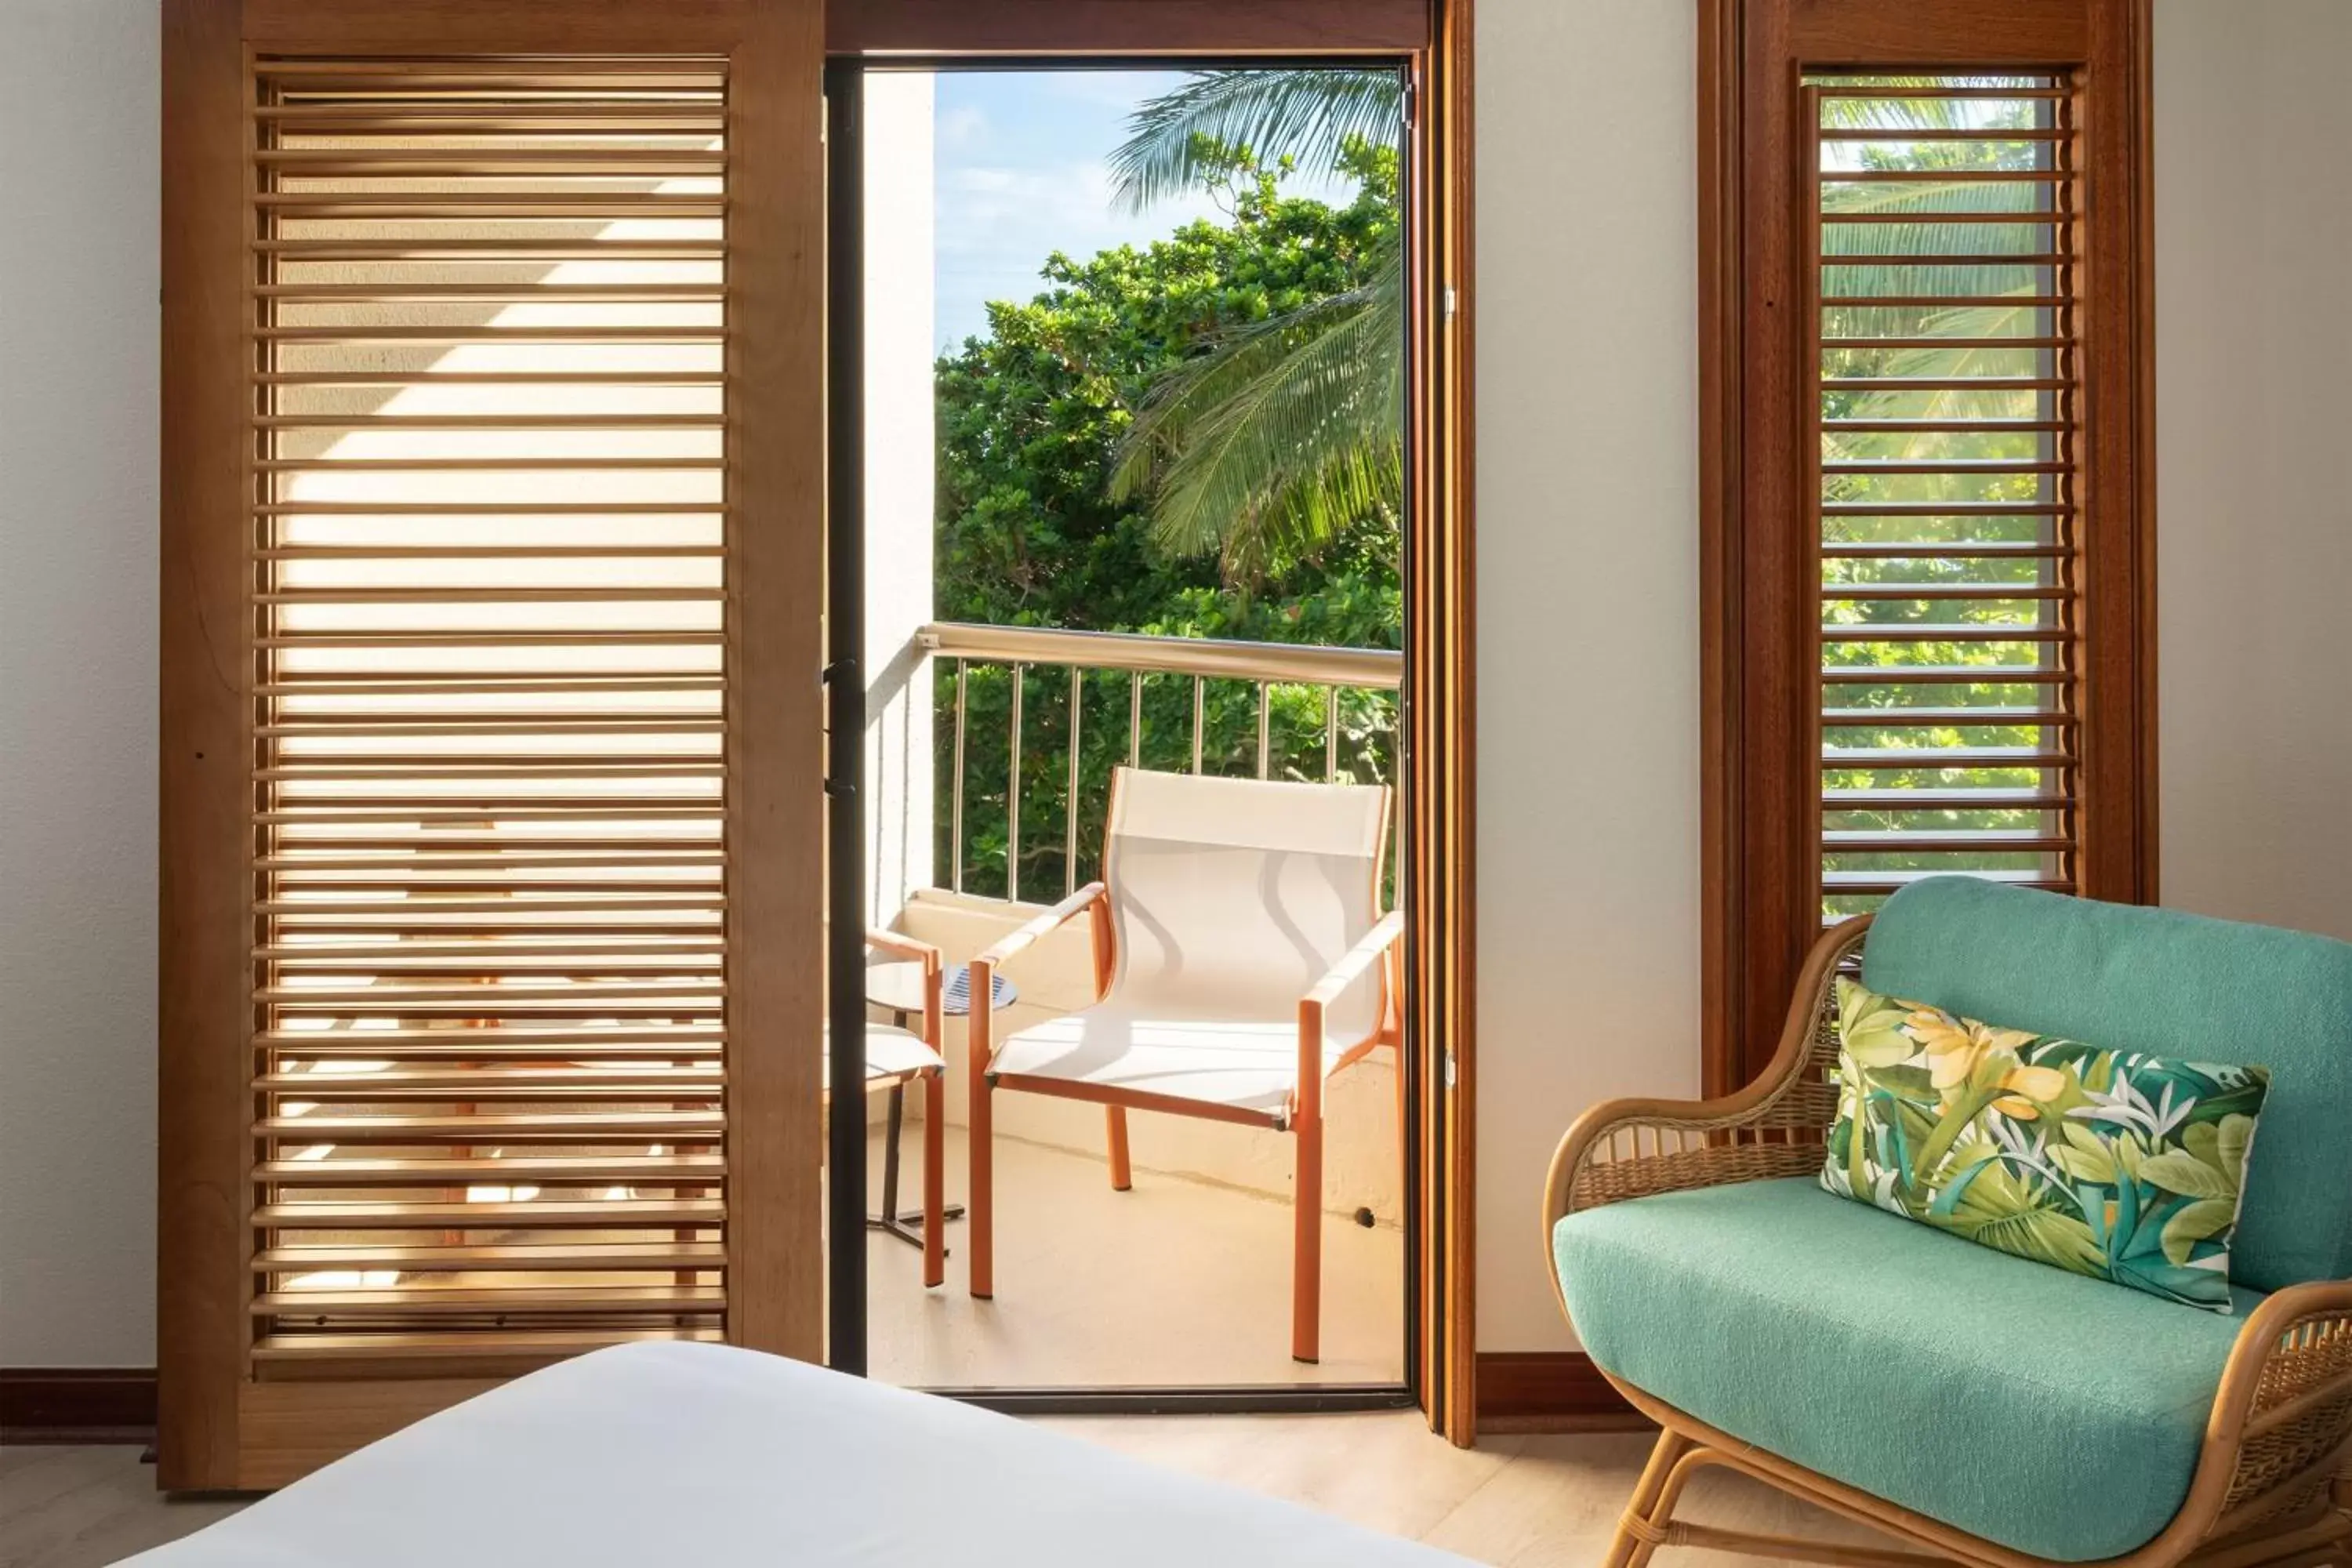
[(708, 1456)]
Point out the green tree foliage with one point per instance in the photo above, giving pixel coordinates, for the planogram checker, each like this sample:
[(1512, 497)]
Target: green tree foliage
[(1030, 532)]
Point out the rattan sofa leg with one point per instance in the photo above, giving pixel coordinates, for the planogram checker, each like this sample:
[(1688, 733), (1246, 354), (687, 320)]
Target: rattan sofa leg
[(1635, 1520), (1656, 1527)]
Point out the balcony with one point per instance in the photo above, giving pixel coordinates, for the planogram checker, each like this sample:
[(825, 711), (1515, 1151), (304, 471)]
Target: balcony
[(988, 804)]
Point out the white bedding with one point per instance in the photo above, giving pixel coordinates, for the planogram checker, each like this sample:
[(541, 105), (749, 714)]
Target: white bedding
[(709, 1456)]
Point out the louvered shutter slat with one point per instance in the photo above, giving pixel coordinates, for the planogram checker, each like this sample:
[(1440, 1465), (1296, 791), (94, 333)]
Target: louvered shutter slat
[(490, 876)]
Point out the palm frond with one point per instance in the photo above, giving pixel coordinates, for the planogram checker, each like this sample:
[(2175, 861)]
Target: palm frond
[(1280, 437), (2000, 315), (1308, 114)]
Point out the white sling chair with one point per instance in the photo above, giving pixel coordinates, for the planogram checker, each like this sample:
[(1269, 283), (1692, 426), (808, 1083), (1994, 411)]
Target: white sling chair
[(1240, 960)]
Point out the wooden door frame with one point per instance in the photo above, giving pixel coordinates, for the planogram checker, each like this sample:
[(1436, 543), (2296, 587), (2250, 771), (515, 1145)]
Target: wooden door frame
[(1433, 38), (219, 1428), (1760, 572)]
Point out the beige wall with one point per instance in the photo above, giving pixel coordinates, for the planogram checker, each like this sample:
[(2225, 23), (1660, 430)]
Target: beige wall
[(1587, 569), (78, 573), (2253, 258), (1588, 597), (1587, 851)]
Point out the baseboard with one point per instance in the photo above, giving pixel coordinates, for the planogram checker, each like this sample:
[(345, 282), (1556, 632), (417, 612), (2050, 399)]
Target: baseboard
[(1549, 1391), (77, 1405)]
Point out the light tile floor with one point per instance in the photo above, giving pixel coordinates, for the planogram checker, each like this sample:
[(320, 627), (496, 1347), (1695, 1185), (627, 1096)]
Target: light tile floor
[(1515, 1502)]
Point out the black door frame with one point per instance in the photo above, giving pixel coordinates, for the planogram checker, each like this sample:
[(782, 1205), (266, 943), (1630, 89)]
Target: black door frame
[(845, 783), (845, 678)]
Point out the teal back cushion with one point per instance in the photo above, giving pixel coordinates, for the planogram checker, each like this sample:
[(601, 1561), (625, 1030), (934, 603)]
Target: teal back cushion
[(2169, 984)]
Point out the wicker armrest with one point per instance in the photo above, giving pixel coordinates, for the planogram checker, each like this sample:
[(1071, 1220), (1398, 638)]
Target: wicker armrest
[(1774, 1127), (2280, 1442)]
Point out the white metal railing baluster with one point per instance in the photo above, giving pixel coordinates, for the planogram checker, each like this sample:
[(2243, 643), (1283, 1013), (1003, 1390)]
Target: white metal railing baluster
[(1013, 801), (1070, 801), (1264, 727), (1135, 719), (955, 821), (1330, 734), (1200, 720)]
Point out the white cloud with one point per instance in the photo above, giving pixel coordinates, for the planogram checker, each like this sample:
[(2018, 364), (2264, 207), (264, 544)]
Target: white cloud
[(962, 126)]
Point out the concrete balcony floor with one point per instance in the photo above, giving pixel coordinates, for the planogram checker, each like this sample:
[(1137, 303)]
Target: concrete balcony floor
[(1178, 1281)]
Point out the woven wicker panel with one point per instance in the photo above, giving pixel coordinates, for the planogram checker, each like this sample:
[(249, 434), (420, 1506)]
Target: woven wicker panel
[(2310, 1370)]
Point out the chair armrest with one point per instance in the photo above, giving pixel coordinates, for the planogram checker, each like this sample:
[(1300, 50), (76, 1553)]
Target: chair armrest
[(900, 944), (1027, 936), (980, 1030), (1352, 964), (1306, 1096), (1632, 1148), (934, 977), (2282, 1424)]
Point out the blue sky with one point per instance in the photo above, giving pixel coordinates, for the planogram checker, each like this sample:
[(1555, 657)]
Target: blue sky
[(1021, 170)]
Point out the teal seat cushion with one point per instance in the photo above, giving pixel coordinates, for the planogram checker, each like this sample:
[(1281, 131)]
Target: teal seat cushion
[(2170, 985), (2053, 1414)]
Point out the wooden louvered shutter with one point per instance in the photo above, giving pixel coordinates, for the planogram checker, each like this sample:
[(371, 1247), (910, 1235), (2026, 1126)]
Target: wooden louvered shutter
[(1947, 251), (530, 1035), (1928, 645)]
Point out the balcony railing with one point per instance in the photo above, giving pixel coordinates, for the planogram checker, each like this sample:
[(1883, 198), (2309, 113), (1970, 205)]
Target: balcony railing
[(1278, 710)]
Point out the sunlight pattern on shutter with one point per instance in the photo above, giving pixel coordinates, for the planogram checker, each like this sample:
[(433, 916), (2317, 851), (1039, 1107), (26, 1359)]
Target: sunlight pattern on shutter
[(490, 890), (1947, 368)]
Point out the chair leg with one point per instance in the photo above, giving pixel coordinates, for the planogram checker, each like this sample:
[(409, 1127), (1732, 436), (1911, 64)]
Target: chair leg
[(1404, 1122), (1122, 1176), (1651, 1532), (980, 1234), (935, 1188), (1630, 1545), (1306, 1241)]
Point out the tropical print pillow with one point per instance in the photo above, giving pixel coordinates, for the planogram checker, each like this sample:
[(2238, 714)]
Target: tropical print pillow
[(2109, 1164)]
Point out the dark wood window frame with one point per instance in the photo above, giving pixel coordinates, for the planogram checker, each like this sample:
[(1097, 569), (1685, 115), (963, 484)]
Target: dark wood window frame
[(1761, 549)]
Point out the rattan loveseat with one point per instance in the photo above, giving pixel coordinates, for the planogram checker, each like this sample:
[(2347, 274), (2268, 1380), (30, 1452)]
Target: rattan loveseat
[(1681, 1235)]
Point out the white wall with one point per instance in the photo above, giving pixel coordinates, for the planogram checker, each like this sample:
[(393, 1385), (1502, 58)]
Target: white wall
[(1588, 597), (78, 609), (1588, 581), (2253, 254)]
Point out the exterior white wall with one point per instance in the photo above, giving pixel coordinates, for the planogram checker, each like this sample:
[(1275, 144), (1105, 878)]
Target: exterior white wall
[(2254, 309), (900, 473)]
